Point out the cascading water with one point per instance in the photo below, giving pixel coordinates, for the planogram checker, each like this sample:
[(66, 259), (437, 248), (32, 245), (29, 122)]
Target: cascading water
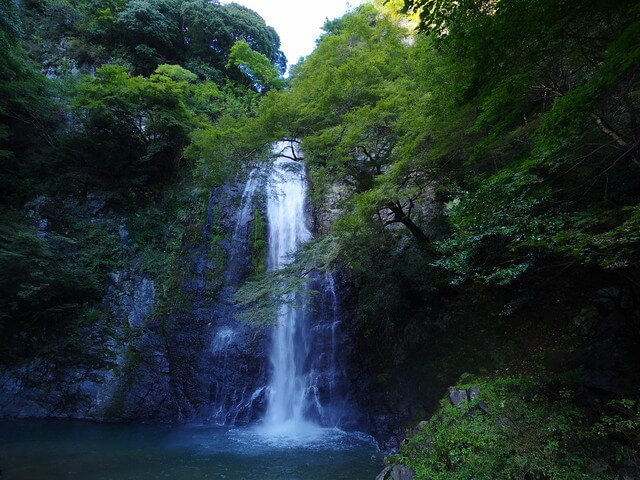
[(237, 374), (297, 383), (287, 227), (306, 379), (239, 247)]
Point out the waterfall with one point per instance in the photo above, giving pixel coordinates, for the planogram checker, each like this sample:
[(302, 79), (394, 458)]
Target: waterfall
[(240, 245), (234, 394), (303, 389), (292, 376), (287, 228), (246, 206)]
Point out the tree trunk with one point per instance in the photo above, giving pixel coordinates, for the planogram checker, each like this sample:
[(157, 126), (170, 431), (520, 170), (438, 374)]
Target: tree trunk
[(400, 217)]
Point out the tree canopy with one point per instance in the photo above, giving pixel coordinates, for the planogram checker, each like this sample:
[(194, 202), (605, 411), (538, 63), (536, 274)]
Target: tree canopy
[(111, 97), (462, 149), (518, 118)]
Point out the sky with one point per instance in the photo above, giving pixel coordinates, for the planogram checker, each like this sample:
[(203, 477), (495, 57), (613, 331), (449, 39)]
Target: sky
[(298, 22)]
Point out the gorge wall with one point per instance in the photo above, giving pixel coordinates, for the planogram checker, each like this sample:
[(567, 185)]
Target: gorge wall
[(192, 362)]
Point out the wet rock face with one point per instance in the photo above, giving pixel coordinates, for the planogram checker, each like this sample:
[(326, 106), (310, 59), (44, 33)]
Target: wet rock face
[(197, 363), (234, 374), (83, 385), (200, 363), (232, 369), (326, 212), (131, 297), (72, 375)]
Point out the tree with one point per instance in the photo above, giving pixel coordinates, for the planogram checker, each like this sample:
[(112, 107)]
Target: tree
[(146, 121), (261, 73), (352, 94), (153, 30), (245, 24), (551, 92), (26, 111)]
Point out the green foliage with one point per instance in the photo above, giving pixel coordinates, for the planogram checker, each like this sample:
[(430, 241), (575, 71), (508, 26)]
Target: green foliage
[(352, 103), (241, 23), (263, 295), (518, 117), (146, 121), (129, 85), (217, 149), (10, 30), (267, 291), (25, 112), (152, 23), (494, 147), (115, 128), (49, 282), (262, 74), (532, 430), (621, 421), (145, 34), (545, 155), (161, 232), (245, 133), (347, 99), (507, 207)]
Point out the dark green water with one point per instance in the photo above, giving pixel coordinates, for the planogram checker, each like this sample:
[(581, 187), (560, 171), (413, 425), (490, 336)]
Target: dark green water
[(85, 451)]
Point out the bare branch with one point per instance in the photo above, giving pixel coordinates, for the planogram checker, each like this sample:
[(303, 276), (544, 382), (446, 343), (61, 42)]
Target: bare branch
[(602, 124)]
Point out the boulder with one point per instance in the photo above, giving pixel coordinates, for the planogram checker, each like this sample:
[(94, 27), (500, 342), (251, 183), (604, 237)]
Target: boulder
[(457, 396), (483, 407), (396, 472), (473, 392)]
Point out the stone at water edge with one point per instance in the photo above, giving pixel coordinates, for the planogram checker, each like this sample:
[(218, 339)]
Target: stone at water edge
[(396, 472)]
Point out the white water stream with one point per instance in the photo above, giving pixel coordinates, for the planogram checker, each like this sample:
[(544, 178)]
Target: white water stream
[(289, 387)]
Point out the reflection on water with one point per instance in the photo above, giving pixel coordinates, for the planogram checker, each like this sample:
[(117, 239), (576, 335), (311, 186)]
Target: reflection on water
[(84, 451)]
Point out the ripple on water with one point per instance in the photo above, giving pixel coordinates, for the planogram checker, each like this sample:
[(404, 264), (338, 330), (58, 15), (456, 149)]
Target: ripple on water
[(85, 451), (297, 435)]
